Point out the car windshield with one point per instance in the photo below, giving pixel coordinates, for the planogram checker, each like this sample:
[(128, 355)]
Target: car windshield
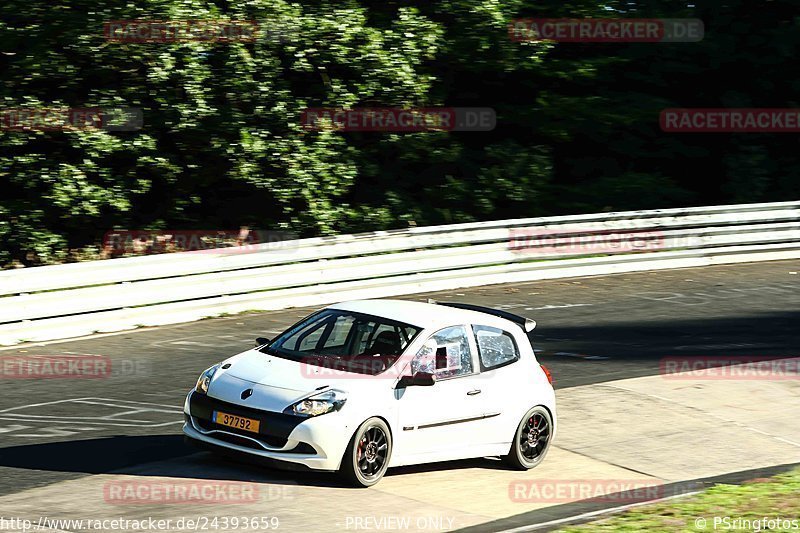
[(348, 341)]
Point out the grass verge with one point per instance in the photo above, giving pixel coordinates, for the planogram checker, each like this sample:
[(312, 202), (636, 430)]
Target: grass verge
[(763, 504)]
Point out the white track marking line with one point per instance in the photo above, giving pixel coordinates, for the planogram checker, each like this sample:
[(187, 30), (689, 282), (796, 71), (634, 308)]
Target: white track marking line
[(565, 306), (66, 421), (107, 420)]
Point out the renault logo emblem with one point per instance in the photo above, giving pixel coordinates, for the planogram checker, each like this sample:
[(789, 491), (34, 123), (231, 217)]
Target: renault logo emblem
[(246, 394)]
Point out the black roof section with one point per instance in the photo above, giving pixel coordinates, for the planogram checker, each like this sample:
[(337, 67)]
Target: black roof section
[(526, 324)]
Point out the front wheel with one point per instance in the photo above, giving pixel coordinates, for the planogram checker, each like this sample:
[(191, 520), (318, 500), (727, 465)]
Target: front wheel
[(531, 440), (367, 456)]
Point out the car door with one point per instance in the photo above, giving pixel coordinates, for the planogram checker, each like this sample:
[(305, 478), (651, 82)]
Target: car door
[(441, 421), (498, 353)]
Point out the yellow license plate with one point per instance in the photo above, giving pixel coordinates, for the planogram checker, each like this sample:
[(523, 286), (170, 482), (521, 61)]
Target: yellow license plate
[(238, 422)]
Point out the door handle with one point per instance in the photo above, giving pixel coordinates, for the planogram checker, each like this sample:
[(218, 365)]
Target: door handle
[(474, 392)]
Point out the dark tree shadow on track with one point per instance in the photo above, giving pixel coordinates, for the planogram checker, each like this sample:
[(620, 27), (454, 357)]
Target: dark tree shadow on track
[(95, 456), (169, 456), (635, 349)]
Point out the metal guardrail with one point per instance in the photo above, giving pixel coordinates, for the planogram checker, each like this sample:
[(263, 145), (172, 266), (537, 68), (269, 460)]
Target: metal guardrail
[(76, 299)]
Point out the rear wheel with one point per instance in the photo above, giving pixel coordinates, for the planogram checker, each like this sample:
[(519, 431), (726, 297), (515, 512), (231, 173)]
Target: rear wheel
[(367, 456), (531, 440)]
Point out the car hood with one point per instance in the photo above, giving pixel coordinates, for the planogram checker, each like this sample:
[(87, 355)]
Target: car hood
[(278, 373), (261, 381)]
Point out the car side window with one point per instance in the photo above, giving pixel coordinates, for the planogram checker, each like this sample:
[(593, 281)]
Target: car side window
[(496, 347), (445, 354)]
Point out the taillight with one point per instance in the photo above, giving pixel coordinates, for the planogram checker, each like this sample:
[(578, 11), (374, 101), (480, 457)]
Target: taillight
[(547, 373)]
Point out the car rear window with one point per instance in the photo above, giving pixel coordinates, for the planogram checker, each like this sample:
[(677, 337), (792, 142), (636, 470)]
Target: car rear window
[(496, 347)]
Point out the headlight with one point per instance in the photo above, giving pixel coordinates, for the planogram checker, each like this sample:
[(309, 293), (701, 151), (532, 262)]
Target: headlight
[(205, 379), (319, 404)]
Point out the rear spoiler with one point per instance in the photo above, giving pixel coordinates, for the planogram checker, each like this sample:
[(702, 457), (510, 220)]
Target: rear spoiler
[(526, 324)]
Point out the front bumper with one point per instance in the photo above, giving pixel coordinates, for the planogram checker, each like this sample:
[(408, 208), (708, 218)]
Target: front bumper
[(315, 443)]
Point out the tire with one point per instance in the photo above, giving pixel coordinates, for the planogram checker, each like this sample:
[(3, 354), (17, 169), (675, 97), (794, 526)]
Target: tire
[(367, 456), (531, 439)]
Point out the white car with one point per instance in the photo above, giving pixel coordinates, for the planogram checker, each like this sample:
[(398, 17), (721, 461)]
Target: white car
[(362, 386)]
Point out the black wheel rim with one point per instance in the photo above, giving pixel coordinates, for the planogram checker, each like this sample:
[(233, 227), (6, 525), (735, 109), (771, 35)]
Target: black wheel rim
[(372, 451), (534, 436)]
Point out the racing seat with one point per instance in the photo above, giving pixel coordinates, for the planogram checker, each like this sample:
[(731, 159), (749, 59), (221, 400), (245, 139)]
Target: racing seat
[(381, 355), (386, 343)]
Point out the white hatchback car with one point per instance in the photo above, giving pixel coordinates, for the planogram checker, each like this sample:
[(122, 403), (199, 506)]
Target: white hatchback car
[(362, 386)]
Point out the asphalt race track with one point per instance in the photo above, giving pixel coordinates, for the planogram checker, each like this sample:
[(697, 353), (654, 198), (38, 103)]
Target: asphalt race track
[(590, 330)]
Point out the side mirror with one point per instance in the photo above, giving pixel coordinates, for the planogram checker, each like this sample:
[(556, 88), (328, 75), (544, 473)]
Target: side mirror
[(260, 341), (420, 379)]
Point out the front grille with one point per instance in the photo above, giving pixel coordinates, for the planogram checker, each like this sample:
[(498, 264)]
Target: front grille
[(239, 441), (274, 428), (301, 448), (275, 442), (304, 448)]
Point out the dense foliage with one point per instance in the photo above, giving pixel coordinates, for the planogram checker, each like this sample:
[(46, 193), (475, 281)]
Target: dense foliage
[(222, 145)]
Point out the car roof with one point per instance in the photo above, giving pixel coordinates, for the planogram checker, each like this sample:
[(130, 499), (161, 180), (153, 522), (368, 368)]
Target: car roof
[(423, 315)]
